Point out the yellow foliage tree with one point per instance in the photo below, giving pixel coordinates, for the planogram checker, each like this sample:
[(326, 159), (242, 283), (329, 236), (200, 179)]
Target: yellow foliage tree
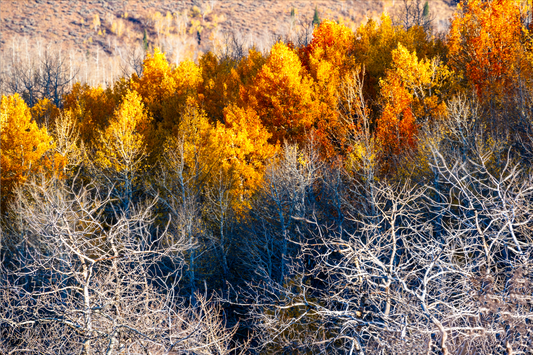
[(235, 151), (164, 89), (375, 42), (412, 92), (92, 107), (244, 151), (122, 148), (214, 93), (196, 134), (66, 133), (24, 146), (44, 112), (249, 66), (122, 144), (189, 154), (156, 83)]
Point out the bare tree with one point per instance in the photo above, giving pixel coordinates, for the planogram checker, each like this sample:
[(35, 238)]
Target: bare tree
[(286, 194), (46, 76), (414, 13), (25, 79), (132, 60), (55, 78), (78, 282), (429, 269), (234, 46), (220, 215)]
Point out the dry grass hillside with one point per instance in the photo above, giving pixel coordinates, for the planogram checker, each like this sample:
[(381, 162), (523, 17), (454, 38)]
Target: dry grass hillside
[(102, 39)]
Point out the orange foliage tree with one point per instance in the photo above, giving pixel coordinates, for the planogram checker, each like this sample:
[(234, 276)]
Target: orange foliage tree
[(487, 42), (329, 57), (222, 80), (281, 94), (24, 146)]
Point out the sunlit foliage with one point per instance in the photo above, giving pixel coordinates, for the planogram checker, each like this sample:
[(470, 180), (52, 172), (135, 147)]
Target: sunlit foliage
[(376, 40), (489, 44), (329, 58), (92, 107), (411, 94), (281, 94), (25, 147)]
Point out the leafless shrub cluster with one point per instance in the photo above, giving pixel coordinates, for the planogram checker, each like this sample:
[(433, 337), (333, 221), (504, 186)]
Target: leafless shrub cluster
[(75, 280), (398, 267)]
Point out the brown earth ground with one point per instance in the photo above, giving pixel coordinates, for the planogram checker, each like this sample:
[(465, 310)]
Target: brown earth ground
[(89, 23), (95, 32)]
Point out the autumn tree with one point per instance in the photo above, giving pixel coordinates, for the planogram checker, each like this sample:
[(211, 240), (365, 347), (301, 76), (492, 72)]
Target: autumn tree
[(24, 146), (412, 92), (281, 94), (222, 163), (66, 133), (122, 148), (164, 88), (331, 42), (92, 107), (220, 84), (375, 42), (329, 57), (44, 113), (187, 164), (245, 151), (362, 158), (223, 76), (488, 43)]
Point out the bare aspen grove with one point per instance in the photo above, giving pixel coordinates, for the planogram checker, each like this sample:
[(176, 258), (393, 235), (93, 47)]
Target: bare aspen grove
[(340, 190)]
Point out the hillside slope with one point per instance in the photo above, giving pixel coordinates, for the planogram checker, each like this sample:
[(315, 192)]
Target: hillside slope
[(90, 23)]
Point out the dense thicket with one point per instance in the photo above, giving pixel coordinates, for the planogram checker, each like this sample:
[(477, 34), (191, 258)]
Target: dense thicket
[(366, 192)]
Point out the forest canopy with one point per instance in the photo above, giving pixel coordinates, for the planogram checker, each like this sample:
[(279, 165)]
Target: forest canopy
[(363, 191)]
